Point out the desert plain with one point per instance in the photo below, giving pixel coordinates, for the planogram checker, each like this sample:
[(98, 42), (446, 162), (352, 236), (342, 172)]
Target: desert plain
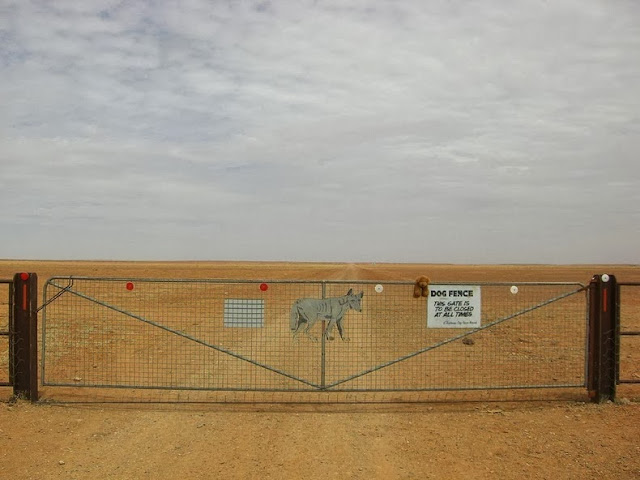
[(446, 436)]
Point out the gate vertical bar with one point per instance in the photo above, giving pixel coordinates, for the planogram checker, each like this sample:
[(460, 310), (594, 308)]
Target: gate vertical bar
[(323, 359), (24, 338), (617, 310), (603, 338), (322, 366)]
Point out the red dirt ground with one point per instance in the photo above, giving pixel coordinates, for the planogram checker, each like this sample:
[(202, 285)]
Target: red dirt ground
[(482, 440)]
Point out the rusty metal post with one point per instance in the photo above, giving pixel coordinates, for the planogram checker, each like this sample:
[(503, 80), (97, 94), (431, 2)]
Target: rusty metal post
[(24, 336), (603, 338)]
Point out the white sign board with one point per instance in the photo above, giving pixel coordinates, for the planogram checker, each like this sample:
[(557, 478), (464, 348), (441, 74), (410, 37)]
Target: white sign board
[(454, 306)]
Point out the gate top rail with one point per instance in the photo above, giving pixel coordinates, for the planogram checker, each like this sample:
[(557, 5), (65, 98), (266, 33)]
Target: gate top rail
[(299, 281)]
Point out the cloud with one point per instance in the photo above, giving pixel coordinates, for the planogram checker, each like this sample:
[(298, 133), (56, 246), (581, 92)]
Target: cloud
[(319, 131)]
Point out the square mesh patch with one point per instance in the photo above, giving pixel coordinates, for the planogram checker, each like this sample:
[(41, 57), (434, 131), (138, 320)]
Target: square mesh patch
[(243, 313)]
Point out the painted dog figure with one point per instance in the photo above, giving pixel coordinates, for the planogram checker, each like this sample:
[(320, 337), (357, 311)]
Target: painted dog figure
[(309, 310)]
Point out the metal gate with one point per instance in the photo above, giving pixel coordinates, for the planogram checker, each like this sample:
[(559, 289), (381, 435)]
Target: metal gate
[(231, 335)]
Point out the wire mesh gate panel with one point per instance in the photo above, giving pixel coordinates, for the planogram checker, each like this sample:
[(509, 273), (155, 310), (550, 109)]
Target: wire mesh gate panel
[(629, 335), (213, 335)]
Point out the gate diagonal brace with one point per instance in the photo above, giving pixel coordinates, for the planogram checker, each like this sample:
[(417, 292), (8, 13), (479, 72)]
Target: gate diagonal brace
[(57, 295), (452, 339), (185, 335)]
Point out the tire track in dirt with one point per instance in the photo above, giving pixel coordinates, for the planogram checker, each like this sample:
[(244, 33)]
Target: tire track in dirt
[(353, 271)]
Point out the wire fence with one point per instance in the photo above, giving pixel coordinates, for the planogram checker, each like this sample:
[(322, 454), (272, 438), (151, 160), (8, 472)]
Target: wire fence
[(5, 339), (225, 335)]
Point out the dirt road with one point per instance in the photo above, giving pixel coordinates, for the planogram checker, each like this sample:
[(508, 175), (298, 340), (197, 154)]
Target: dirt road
[(480, 441)]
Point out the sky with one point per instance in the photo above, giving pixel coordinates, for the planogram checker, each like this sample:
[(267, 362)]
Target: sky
[(440, 131)]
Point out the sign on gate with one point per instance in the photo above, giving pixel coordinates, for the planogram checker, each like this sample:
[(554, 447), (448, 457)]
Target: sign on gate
[(454, 306)]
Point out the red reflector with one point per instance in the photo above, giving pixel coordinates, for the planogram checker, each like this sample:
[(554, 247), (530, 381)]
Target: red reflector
[(24, 276)]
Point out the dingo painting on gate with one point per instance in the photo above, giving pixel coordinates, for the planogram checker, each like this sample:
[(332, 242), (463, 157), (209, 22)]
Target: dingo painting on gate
[(309, 310)]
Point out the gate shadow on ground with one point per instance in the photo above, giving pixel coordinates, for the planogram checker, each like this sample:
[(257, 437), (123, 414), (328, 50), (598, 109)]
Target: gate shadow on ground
[(491, 401)]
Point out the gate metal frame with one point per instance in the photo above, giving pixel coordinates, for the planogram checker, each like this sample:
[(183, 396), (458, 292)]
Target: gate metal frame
[(322, 386)]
